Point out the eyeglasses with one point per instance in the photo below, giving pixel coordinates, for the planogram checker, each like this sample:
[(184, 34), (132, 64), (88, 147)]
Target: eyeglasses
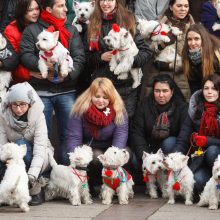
[(107, 1), (21, 105)]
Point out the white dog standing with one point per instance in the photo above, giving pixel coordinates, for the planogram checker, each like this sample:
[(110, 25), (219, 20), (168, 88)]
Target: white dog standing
[(71, 181), (124, 51), (154, 173), (180, 178), (83, 11), (51, 49), (115, 178), (14, 186), (211, 193)]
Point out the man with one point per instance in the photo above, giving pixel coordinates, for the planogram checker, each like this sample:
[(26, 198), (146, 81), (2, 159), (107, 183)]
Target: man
[(57, 95)]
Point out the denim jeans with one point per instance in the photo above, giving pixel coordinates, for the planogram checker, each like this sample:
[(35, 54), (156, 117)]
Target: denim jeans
[(168, 145), (62, 105)]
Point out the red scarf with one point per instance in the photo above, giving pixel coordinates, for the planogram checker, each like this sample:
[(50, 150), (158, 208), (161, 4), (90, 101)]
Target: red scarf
[(58, 25), (209, 123), (96, 119)]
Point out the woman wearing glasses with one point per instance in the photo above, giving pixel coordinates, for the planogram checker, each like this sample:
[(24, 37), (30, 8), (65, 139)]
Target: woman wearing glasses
[(98, 54), (22, 121)]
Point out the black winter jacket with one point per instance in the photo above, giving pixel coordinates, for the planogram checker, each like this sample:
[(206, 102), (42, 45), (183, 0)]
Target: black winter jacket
[(30, 55), (101, 68), (144, 120)]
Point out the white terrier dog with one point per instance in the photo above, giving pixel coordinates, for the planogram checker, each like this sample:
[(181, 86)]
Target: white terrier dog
[(211, 193), (51, 49), (115, 178), (124, 51), (83, 12), (71, 181), (153, 173), (180, 178), (14, 186), (216, 26), (5, 78)]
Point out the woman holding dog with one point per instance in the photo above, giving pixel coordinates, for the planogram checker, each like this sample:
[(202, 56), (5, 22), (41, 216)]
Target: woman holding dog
[(200, 132), (27, 11), (201, 56), (22, 121), (106, 13)]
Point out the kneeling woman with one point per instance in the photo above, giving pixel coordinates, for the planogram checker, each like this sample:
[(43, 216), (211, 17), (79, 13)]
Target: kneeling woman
[(158, 119), (202, 128), (22, 121), (99, 119)]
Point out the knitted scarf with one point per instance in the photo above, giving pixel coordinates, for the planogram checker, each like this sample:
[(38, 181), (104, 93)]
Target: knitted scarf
[(209, 123), (58, 25), (96, 119), (94, 41), (195, 56)]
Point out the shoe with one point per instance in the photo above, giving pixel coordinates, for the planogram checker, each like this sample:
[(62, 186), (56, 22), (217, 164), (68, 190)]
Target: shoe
[(95, 191), (37, 199)]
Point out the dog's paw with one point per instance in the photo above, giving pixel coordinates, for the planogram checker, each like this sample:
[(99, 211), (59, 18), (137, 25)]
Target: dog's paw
[(75, 203), (188, 202), (154, 196), (216, 27), (171, 201), (78, 27), (112, 68), (135, 84), (64, 74), (176, 31), (123, 202), (106, 202), (88, 202), (213, 207), (122, 76), (25, 207), (44, 75)]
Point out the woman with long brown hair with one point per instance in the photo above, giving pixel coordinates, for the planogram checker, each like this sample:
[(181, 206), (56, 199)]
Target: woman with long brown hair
[(201, 56), (106, 13)]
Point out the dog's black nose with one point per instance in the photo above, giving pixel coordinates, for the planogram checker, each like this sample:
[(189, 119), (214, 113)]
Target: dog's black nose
[(108, 40), (82, 15), (218, 176), (144, 168)]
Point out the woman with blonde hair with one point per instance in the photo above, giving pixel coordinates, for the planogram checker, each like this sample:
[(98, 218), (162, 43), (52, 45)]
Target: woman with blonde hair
[(99, 119), (201, 56), (106, 13)]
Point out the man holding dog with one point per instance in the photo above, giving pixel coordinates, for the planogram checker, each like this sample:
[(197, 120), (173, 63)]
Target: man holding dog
[(56, 92)]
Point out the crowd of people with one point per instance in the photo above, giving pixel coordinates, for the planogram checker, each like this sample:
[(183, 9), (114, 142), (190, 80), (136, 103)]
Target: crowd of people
[(182, 103)]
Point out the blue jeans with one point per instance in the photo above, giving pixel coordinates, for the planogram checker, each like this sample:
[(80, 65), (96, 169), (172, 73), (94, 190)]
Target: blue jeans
[(168, 145), (62, 105)]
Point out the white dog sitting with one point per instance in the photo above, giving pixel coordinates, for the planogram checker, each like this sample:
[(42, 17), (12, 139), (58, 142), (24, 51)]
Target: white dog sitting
[(154, 173), (5, 78), (216, 26), (180, 178), (51, 49), (211, 193), (124, 51), (115, 178), (14, 186), (83, 11), (71, 181)]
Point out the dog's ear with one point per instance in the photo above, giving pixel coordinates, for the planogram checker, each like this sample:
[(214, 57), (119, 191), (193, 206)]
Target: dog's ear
[(160, 152), (126, 34), (145, 154), (102, 158), (185, 158), (75, 4), (92, 3), (56, 35), (23, 148)]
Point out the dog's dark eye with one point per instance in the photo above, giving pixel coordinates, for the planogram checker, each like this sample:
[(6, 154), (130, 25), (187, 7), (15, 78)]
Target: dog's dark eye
[(153, 162), (44, 39), (86, 9), (124, 151), (80, 9), (115, 152)]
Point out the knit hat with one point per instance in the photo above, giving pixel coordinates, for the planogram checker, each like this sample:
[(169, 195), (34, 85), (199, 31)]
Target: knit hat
[(20, 92)]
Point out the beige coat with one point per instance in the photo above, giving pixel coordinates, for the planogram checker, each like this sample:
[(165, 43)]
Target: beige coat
[(35, 132)]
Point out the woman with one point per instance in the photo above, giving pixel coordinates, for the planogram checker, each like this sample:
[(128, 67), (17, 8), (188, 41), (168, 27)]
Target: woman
[(158, 119), (22, 121), (202, 128), (210, 16), (201, 56), (99, 119), (106, 13), (27, 11)]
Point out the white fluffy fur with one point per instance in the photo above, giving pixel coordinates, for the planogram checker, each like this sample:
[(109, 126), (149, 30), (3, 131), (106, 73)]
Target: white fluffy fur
[(64, 182), (14, 186), (5, 78), (83, 11), (179, 171), (211, 194), (153, 168), (121, 63), (48, 41), (216, 26), (116, 158)]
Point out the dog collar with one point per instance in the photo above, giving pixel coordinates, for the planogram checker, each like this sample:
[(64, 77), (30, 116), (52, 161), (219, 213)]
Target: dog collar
[(48, 53), (110, 167), (146, 176), (156, 32), (116, 51), (81, 168)]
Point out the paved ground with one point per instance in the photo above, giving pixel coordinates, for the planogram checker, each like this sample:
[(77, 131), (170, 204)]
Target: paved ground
[(139, 208)]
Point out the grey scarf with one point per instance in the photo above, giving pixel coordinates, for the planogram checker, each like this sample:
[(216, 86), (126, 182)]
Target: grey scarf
[(195, 56)]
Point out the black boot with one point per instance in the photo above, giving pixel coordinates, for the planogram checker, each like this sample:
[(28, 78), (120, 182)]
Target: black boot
[(37, 199)]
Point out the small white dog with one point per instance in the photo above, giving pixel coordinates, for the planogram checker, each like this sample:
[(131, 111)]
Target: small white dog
[(5, 78), (124, 51), (14, 186), (83, 11), (180, 178), (71, 181), (211, 193), (51, 49), (216, 26), (154, 173), (115, 178)]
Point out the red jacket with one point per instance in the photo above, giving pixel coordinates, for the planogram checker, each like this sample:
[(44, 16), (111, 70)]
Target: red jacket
[(11, 32)]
